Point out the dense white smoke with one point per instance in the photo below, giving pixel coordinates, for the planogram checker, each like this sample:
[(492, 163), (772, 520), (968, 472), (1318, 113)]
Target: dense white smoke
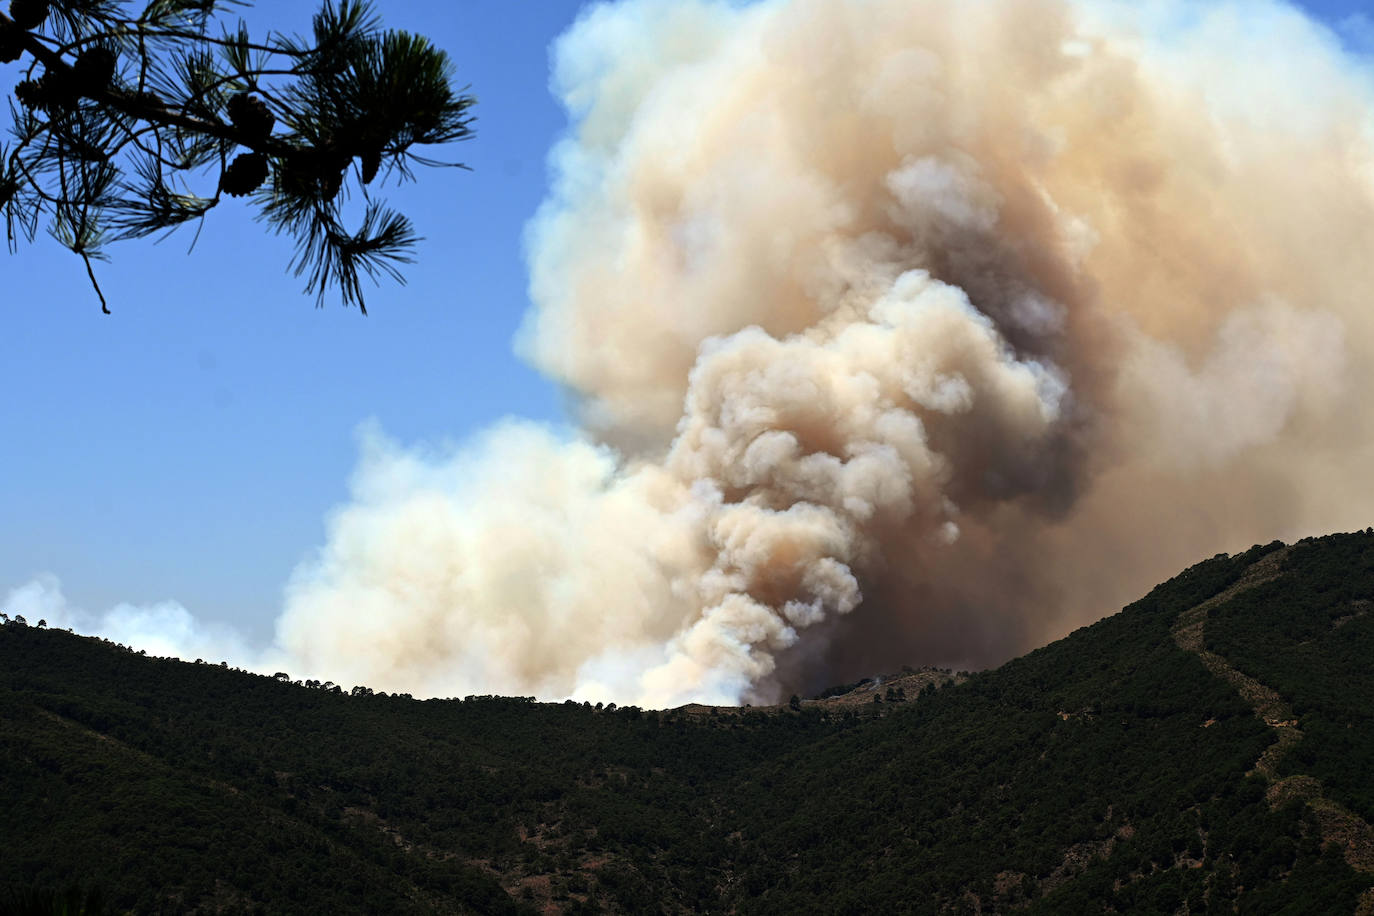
[(902, 331)]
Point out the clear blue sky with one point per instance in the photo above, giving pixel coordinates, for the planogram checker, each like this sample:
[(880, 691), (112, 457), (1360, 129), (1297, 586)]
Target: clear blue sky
[(190, 445)]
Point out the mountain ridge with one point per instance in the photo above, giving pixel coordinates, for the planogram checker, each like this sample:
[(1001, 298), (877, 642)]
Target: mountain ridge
[(1204, 750)]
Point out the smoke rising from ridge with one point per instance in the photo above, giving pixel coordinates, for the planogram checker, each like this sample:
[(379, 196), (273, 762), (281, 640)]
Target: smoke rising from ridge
[(900, 332)]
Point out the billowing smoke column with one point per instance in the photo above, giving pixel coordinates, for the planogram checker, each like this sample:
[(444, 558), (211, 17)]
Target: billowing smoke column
[(902, 331)]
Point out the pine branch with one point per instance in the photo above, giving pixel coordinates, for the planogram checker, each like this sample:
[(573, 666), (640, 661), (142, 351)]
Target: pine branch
[(108, 154)]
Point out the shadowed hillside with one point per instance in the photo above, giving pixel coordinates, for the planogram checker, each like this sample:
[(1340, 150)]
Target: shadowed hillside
[(1208, 749)]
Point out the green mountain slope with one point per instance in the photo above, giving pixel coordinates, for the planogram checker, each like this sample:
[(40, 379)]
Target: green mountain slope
[(1208, 749)]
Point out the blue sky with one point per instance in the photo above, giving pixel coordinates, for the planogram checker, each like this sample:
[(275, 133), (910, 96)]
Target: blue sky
[(191, 445)]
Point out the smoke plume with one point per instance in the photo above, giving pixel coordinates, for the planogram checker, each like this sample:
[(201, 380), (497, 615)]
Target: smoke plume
[(900, 331)]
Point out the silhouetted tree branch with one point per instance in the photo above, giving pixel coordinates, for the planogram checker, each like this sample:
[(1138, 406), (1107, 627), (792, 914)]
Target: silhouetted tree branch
[(129, 122)]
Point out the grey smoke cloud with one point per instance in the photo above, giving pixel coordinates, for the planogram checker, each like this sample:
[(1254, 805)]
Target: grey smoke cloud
[(900, 332)]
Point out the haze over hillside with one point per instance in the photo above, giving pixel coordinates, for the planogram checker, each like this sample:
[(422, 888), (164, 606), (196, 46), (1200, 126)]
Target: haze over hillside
[(1207, 749)]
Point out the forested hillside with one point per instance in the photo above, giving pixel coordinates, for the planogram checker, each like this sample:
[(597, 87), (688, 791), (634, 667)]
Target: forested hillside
[(1208, 749)]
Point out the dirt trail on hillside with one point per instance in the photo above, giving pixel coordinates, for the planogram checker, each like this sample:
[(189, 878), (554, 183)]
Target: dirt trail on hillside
[(1346, 829)]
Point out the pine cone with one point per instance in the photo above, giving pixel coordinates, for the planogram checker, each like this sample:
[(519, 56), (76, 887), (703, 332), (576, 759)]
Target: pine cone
[(315, 172), (371, 162), (30, 93), (251, 115), (28, 14), (59, 87), (55, 89), (94, 68), (244, 175), (11, 42), (330, 184)]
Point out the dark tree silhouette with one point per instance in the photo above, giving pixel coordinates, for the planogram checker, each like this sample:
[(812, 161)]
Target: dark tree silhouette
[(132, 119), (47, 902)]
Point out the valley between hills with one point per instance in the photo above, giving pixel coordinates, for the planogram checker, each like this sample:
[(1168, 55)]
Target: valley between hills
[(1209, 749)]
